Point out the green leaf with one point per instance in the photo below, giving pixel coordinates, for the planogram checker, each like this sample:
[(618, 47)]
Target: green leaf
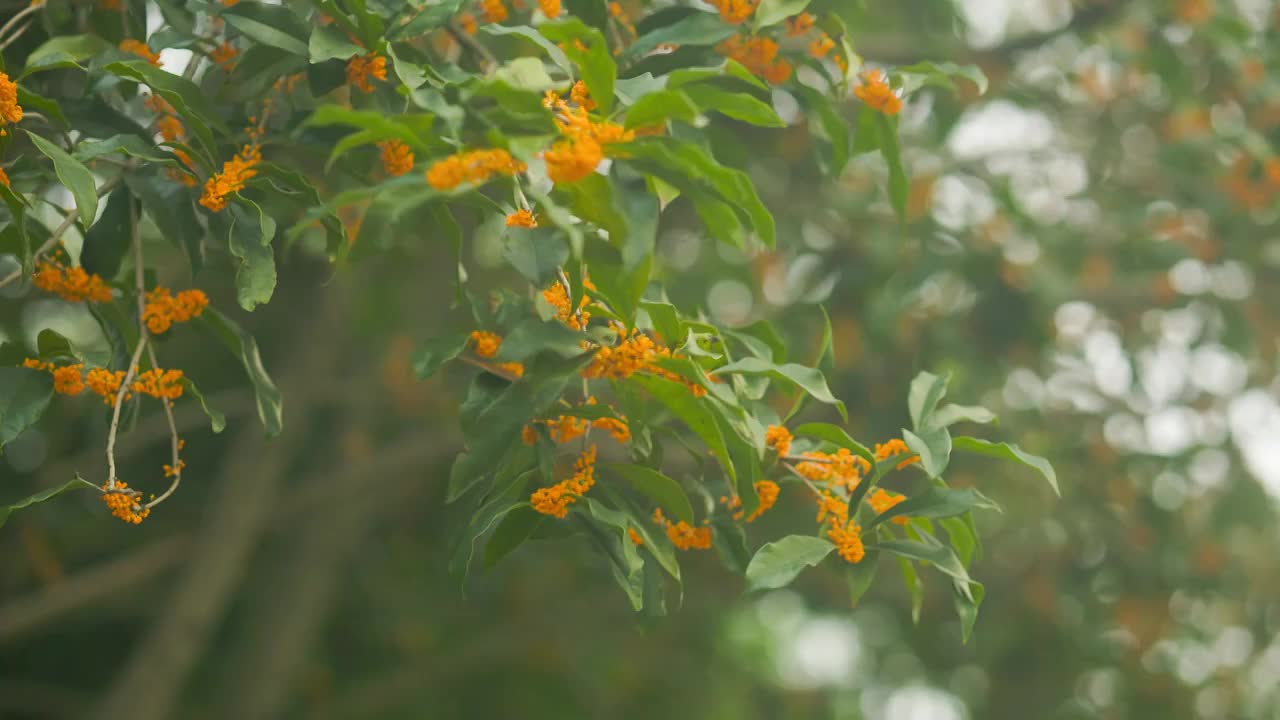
[(555, 54), (836, 157), (327, 43), (967, 607), (665, 492), (24, 395), (274, 25), (806, 378), (1008, 451), (728, 69), (217, 421), (677, 398), (860, 576), (525, 73), (74, 176), (899, 185), (249, 233), (107, 242), (51, 345), (595, 64), (915, 587), (949, 415), (933, 445), (930, 550), (659, 107), (535, 253), (44, 106), (130, 145), (665, 320), (64, 51), (516, 527), (837, 436), (185, 96), (937, 502), (533, 336), (428, 18), (240, 343), (926, 390), (7, 510), (779, 562), (737, 105), (434, 353), (696, 29), (169, 206), (772, 12), (942, 74), (493, 511), (692, 169), (628, 566)]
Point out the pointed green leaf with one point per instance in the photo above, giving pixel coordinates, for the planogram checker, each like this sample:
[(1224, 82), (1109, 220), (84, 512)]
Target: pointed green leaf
[(266, 394), (772, 12), (937, 502), (933, 446), (74, 176), (837, 436), (43, 495), (777, 563), (926, 390), (665, 492), (808, 379), (1008, 451), (24, 395)]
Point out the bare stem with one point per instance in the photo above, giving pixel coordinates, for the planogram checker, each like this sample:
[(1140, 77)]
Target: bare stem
[(16, 34), (488, 61), (17, 18), (115, 411)]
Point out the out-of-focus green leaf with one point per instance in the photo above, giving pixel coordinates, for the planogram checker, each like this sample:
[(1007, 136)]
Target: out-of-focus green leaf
[(739, 106), (660, 106), (24, 395), (431, 355), (43, 495), (779, 562), (64, 51), (937, 502), (696, 29), (1009, 451), (926, 391), (107, 242), (899, 184), (693, 413), (808, 379), (535, 253), (327, 43), (74, 176), (534, 336), (942, 74), (587, 48), (860, 575), (274, 25), (949, 415), (664, 491), (266, 395), (771, 12)]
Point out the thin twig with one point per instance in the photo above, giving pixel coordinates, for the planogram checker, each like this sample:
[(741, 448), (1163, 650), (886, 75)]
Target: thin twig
[(16, 34), (65, 225), (18, 18), (115, 411)]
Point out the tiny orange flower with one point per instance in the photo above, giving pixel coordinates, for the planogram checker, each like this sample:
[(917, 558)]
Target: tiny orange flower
[(123, 503), (875, 91), (362, 67), (778, 438), (136, 47), (522, 218), (10, 110), (882, 501), (494, 11), (236, 172), (397, 158), (550, 8)]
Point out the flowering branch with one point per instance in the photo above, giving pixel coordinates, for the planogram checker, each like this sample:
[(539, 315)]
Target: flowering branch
[(67, 221)]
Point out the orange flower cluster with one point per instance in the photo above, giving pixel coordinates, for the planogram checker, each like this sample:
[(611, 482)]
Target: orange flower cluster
[(759, 55), (494, 11), (225, 56), (550, 8), (767, 490), (397, 158), (895, 447), (235, 173), (468, 23), (10, 110), (799, 24), (475, 166), (555, 500), (617, 428), (875, 91), (735, 12), (778, 438), (4, 178), (163, 308), (683, 535), (66, 379), (620, 16), (362, 67), (523, 218), (635, 536), (832, 508), (557, 296), (124, 505), (631, 355), (841, 468), (72, 284), (486, 344), (172, 130), (577, 156), (105, 383), (821, 46), (159, 384), (140, 49), (881, 501), (848, 540), (567, 427)]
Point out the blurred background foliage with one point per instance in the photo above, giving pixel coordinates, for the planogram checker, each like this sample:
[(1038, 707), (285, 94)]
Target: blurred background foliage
[(1092, 253)]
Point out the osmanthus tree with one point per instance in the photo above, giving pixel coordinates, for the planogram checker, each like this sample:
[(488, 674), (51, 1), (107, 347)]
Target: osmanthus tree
[(238, 132)]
